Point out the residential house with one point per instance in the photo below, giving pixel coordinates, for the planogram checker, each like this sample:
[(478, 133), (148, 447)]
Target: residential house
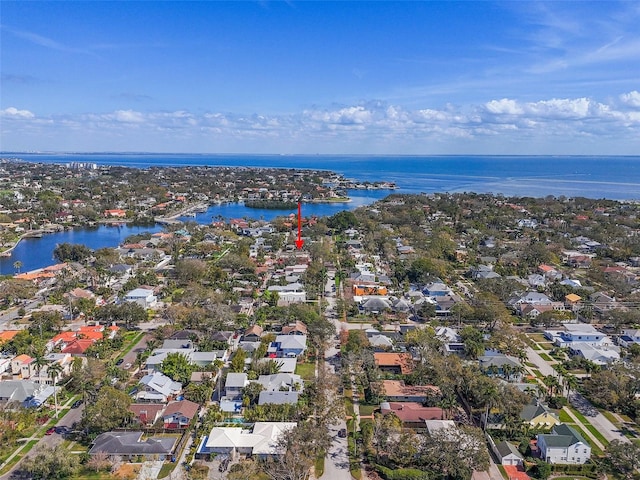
[(629, 337), (296, 328), (602, 302), (147, 414), (507, 454), (142, 296), (260, 440), (397, 391), (537, 414), (17, 391), (505, 366), (452, 341), (412, 414), (180, 414), (157, 387), (23, 367), (78, 347), (234, 385), (285, 364), (563, 445), (375, 305), (253, 333), (281, 382), (130, 446), (572, 302), (288, 294), (288, 346), (278, 397), (396, 363)]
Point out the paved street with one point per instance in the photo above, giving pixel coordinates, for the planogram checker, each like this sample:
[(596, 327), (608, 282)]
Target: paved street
[(72, 416)]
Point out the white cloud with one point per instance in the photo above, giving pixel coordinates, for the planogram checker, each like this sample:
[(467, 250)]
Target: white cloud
[(632, 98), (128, 116), (504, 106), (365, 127), (14, 112)]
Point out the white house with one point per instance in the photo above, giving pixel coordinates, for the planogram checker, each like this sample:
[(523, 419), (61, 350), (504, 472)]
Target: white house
[(142, 296), (563, 445), (157, 387), (261, 440)]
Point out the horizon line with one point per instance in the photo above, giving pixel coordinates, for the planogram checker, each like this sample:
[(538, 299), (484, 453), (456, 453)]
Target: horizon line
[(110, 152)]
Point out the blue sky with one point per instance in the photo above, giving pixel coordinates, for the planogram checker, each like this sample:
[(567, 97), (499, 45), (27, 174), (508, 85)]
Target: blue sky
[(321, 77)]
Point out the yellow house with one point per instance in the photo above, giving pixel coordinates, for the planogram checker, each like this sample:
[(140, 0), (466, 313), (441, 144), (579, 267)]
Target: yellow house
[(536, 414), (572, 301)]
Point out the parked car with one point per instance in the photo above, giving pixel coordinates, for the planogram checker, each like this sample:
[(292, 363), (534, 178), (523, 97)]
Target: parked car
[(76, 404), (119, 362), (342, 433), (51, 431)]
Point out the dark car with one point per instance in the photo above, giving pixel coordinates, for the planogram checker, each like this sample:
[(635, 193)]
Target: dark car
[(119, 362), (76, 404), (342, 433)]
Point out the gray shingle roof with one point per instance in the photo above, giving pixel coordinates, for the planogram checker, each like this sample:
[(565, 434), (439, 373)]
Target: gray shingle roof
[(130, 443)]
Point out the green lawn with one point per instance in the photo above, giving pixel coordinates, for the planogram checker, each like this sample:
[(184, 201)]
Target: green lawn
[(166, 469), (306, 370), (565, 418), (348, 404), (597, 434), (546, 357), (19, 456), (366, 410), (319, 467)]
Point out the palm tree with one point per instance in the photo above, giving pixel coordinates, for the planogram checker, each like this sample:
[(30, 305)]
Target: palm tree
[(39, 362), (54, 370), (17, 265), (551, 382)]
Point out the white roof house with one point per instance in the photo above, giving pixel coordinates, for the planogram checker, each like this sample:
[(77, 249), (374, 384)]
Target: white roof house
[(142, 296), (158, 387), (261, 440)]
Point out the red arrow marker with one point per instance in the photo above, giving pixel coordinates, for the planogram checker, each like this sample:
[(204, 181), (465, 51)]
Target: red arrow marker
[(299, 241)]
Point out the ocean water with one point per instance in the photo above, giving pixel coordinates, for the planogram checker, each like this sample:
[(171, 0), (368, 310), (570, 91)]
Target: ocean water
[(616, 178), (612, 177)]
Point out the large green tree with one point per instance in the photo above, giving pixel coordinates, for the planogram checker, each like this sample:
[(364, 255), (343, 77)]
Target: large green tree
[(51, 463), (177, 367), (109, 410)]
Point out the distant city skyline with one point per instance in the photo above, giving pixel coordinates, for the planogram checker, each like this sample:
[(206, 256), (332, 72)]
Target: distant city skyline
[(321, 77)]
